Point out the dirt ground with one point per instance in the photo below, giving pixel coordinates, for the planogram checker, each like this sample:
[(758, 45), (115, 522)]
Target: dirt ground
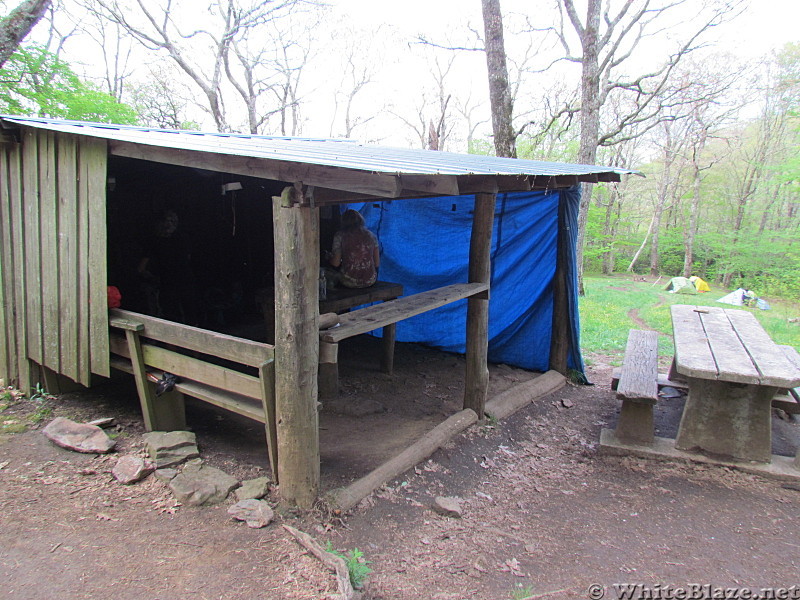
[(544, 514)]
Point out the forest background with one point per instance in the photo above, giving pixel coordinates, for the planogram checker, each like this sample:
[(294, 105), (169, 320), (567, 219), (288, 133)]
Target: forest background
[(700, 96)]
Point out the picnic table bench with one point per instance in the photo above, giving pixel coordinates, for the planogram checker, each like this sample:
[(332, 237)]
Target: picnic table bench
[(733, 370), (638, 387)]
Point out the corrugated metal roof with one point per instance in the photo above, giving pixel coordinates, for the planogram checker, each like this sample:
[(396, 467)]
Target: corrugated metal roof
[(345, 154)]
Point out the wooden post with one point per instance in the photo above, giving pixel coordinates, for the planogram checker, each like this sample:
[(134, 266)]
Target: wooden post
[(559, 340), (296, 231), (143, 387), (266, 375), (328, 370), (387, 343), (480, 269)]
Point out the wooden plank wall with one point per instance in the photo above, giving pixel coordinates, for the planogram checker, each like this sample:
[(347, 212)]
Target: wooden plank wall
[(9, 158), (53, 267)]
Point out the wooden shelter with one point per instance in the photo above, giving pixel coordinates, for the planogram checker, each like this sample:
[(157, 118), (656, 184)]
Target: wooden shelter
[(70, 191)]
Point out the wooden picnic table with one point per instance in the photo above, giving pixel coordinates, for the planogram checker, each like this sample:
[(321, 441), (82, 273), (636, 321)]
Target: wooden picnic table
[(733, 370)]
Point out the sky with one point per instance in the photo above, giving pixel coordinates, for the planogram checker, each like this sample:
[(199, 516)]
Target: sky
[(402, 80)]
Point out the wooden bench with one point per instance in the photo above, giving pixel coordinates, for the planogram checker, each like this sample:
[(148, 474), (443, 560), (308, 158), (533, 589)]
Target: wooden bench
[(341, 299), (638, 387), (385, 315), (790, 401), (147, 347)]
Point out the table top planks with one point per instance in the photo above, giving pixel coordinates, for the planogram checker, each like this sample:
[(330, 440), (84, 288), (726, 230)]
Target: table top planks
[(728, 345)]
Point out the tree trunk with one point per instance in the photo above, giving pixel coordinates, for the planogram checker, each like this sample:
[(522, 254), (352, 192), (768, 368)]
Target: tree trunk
[(18, 24), (691, 230), (639, 251), (590, 119), (499, 94)]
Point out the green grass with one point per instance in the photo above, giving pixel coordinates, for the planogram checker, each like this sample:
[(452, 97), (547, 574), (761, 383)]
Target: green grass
[(611, 303)]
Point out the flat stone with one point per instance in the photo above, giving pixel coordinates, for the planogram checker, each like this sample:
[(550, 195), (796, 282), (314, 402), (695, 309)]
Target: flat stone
[(104, 423), (202, 485), (168, 440), (79, 437), (130, 469), (253, 489), (166, 474), (172, 458), (447, 506), (170, 448), (256, 513)]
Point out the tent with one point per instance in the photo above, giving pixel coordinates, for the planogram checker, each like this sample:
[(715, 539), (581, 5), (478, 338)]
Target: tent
[(743, 297), (680, 285), (699, 284)]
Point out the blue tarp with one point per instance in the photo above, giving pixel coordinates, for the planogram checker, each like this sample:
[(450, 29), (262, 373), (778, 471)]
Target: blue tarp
[(425, 245)]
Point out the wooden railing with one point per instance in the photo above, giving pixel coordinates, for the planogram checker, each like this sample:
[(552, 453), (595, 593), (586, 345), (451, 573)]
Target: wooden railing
[(241, 377)]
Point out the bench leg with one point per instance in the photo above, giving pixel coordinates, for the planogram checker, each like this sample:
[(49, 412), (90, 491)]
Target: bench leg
[(387, 358), (328, 377), (636, 422), (170, 411)]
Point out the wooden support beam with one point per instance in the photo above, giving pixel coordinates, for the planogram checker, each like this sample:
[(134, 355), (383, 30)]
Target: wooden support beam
[(346, 498), (296, 348), (559, 340), (480, 270), (474, 184), (609, 177), (385, 185), (513, 183), (146, 398), (430, 184), (328, 369), (266, 374)]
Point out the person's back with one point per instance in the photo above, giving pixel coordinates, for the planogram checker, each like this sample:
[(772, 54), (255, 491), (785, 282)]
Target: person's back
[(355, 252)]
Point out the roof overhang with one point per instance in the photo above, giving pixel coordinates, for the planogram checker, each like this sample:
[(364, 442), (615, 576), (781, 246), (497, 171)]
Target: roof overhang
[(331, 171)]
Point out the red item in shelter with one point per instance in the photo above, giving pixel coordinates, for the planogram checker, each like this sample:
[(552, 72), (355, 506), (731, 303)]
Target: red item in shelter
[(114, 297)]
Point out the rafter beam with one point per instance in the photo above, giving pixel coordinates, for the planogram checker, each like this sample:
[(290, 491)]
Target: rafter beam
[(374, 184), (444, 185)]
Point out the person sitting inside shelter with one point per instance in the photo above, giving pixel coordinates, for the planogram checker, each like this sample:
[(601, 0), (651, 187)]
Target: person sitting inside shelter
[(355, 253), (166, 270)]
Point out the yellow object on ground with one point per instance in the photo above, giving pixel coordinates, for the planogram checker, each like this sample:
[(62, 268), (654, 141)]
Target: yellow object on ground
[(699, 284)]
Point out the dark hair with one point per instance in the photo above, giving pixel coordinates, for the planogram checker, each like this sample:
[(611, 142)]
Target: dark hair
[(352, 218)]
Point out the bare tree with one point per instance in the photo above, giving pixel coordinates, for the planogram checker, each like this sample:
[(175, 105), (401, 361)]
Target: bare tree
[(18, 24), (114, 46), (232, 30), (608, 39), (467, 109), (433, 125), (160, 101)]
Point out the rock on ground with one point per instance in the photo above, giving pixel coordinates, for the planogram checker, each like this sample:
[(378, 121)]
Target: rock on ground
[(256, 513), (448, 507), (79, 437), (170, 448), (130, 469), (253, 489), (201, 485)]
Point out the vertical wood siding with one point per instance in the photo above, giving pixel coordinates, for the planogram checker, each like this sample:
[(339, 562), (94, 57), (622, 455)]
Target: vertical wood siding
[(8, 328), (53, 267)]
